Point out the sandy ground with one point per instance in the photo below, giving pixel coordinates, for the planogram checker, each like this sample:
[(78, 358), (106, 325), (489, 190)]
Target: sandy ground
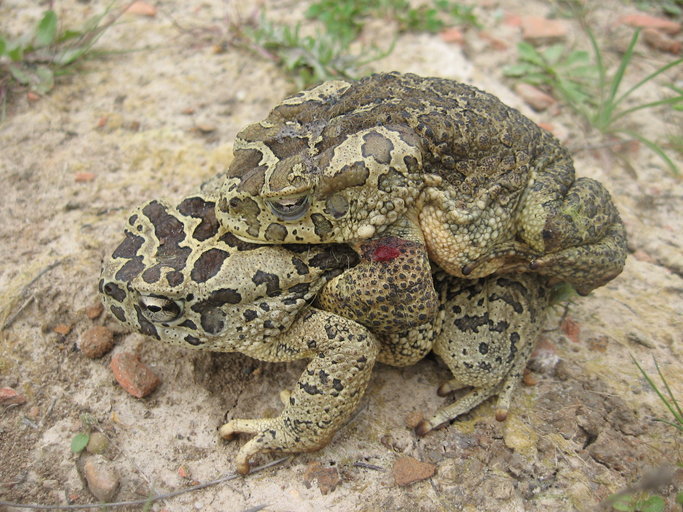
[(156, 123)]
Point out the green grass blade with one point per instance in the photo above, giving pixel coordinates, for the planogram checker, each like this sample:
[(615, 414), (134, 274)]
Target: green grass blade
[(648, 78), (623, 64), (667, 101), (679, 416), (599, 63), (654, 387), (670, 423), (656, 148)]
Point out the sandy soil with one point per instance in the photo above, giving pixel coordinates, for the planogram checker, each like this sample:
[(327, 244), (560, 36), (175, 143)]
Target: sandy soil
[(156, 123)]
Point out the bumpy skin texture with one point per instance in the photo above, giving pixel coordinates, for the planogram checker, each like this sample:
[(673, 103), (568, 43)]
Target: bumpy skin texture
[(486, 189), (181, 278), (485, 332)]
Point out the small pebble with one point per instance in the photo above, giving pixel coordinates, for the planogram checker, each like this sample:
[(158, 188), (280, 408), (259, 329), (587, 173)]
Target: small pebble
[(529, 379), (327, 477), (84, 177), (646, 21), (133, 375), (9, 396), (408, 470), (571, 329), (101, 478), (536, 98), (96, 341), (98, 443), (94, 311), (62, 329), (413, 419), (142, 9), (538, 29)]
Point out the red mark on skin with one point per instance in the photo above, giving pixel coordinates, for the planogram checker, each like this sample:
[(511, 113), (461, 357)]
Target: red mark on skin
[(385, 253)]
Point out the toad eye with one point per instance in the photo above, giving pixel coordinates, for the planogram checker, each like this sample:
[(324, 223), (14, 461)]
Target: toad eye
[(289, 208), (160, 309)]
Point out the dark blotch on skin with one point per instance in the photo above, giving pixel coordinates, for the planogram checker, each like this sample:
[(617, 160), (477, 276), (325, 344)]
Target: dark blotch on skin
[(238, 244), (114, 291), (208, 265), (206, 211), (188, 324), (129, 247), (310, 389), (300, 289), (211, 315), (471, 323), (152, 274), (249, 315), (337, 206), (118, 313), (130, 270), (246, 166), (146, 327), (336, 257), (170, 233), (351, 175), (276, 232), (175, 278), (377, 146), (323, 227), (193, 340), (272, 282), (300, 266)]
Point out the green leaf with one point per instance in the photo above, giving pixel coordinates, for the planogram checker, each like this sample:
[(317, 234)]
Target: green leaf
[(79, 442), (679, 498), (69, 34), (69, 55), (652, 504), (553, 53), (623, 502), (20, 75), (47, 29), (520, 69), (15, 52), (46, 80), (528, 52), (3, 45)]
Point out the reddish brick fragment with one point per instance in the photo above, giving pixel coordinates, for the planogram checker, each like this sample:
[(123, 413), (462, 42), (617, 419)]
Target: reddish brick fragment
[(133, 375), (408, 470), (9, 396)]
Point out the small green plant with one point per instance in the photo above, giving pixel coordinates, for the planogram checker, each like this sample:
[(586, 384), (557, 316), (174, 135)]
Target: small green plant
[(35, 59), (586, 86), (609, 109), (80, 440), (343, 19), (643, 501), (670, 7), (668, 399), (346, 18), (568, 73), (638, 502), (311, 59)]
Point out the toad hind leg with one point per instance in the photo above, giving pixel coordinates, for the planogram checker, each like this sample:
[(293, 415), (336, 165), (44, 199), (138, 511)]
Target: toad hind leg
[(485, 337), (342, 355)]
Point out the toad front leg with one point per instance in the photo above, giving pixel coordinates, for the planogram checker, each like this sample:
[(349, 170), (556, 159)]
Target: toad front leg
[(391, 289), (342, 355), (567, 232)]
